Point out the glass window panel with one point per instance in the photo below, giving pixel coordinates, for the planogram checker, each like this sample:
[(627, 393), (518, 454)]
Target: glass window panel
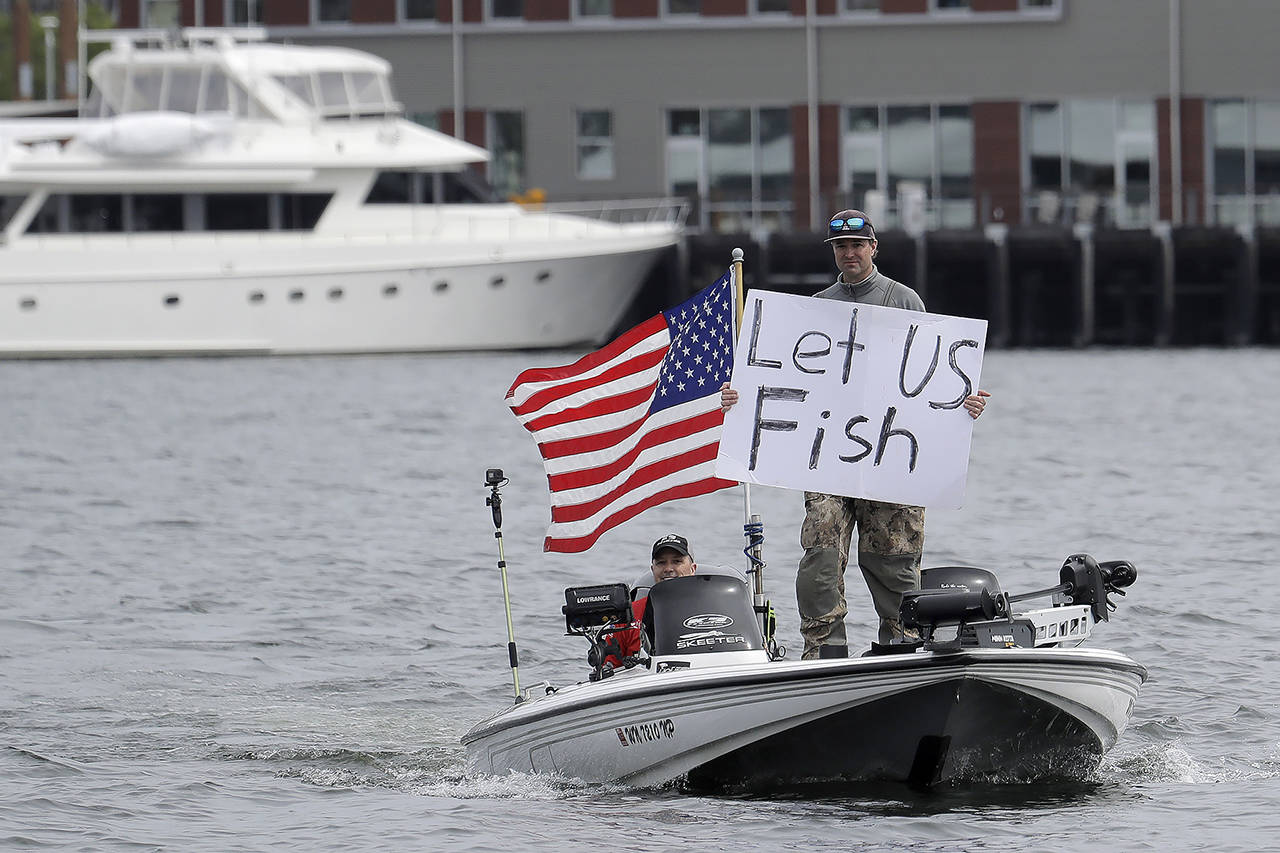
[(955, 151), (237, 212), (390, 188), (908, 146), (1044, 146), (430, 119), (333, 92), (862, 5), (862, 150), (507, 9), (163, 14), (215, 92), (506, 143), (46, 220), (683, 7), (246, 11), (184, 90), (1138, 116), (683, 166), (299, 85), (144, 89), (97, 213), (595, 144), (595, 161), (1230, 133), (420, 10), (685, 123), (1266, 152), (776, 155), (595, 123), (594, 7), (366, 88), (301, 211), (951, 4), (1091, 145), (729, 156), (335, 11), (773, 6), (9, 205), (157, 212)]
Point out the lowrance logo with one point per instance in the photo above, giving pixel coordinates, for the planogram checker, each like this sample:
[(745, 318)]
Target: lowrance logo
[(587, 598), (646, 732), (707, 621)]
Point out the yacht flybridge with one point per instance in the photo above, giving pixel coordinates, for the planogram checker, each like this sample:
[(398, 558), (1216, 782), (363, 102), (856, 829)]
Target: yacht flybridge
[(221, 194)]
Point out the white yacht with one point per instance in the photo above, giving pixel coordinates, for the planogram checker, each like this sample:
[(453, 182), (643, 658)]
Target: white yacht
[(222, 194)]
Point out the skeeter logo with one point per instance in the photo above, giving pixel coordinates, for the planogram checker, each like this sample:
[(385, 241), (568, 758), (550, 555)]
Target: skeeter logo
[(646, 732), (707, 621)]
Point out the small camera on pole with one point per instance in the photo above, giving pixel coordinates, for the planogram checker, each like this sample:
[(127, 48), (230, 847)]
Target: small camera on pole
[(494, 479)]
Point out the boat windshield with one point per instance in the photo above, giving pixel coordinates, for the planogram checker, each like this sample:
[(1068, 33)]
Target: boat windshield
[(341, 94), (186, 89)]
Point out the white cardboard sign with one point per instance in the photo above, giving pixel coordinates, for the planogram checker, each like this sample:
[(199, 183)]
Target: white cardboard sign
[(851, 399)]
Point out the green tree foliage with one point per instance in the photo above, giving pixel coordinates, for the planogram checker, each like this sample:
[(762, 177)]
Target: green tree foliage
[(96, 17)]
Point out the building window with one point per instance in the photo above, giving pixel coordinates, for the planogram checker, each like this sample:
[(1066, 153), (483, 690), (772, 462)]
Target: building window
[(593, 8), (505, 142), (861, 6), (1090, 160), (734, 165), (333, 11), (771, 7), (891, 156), (1244, 162), (505, 9), (950, 5), (1039, 4), (244, 12), (595, 145), (682, 7), (162, 14), (419, 10)]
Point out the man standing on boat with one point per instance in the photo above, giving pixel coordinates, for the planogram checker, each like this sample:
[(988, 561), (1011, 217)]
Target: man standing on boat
[(890, 536), (671, 559)]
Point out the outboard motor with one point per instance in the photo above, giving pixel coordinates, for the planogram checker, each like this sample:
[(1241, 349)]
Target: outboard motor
[(703, 613)]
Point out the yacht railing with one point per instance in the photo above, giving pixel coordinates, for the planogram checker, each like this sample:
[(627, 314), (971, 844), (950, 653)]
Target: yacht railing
[(672, 211)]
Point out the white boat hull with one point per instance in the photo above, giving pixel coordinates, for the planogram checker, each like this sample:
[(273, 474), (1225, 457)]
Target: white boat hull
[(293, 295), (926, 718)]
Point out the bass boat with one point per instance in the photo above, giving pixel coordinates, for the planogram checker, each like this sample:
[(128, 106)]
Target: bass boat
[(989, 692)]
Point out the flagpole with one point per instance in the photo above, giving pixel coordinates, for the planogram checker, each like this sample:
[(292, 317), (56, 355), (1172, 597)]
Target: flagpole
[(753, 527)]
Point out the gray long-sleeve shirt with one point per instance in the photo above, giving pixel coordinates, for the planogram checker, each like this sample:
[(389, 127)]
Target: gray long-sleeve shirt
[(875, 289)]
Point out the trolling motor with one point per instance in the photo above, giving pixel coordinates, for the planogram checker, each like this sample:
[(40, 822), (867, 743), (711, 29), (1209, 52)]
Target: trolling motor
[(597, 613), (971, 599), (494, 480)]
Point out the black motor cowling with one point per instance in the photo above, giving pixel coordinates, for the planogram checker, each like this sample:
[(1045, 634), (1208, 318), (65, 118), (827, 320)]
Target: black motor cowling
[(703, 613)]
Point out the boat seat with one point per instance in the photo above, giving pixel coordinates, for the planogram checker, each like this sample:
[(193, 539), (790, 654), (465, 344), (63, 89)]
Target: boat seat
[(961, 578)]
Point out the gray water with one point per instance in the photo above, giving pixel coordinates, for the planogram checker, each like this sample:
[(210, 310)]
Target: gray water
[(252, 604)]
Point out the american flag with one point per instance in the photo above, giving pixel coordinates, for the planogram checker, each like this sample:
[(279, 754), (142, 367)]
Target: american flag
[(635, 424)]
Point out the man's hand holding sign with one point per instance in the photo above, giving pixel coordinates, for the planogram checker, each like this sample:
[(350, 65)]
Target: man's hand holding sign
[(852, 399)]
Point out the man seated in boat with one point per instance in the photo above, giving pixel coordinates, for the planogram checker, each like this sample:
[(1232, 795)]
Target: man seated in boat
[(671, 559)]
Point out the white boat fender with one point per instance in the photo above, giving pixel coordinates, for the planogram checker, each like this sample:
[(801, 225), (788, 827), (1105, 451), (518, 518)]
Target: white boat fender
[(149, 134)]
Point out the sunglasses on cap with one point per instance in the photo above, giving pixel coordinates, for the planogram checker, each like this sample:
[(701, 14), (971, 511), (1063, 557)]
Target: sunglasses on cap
[(853, 223)]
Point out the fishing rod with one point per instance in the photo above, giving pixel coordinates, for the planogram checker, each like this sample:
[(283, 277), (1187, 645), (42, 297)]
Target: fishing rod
[(494, 480)]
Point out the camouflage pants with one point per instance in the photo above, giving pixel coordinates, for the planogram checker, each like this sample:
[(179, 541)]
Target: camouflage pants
[(890, 542)]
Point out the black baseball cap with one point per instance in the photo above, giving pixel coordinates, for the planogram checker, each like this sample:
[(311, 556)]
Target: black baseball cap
[(850, 225), (675, 542)]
